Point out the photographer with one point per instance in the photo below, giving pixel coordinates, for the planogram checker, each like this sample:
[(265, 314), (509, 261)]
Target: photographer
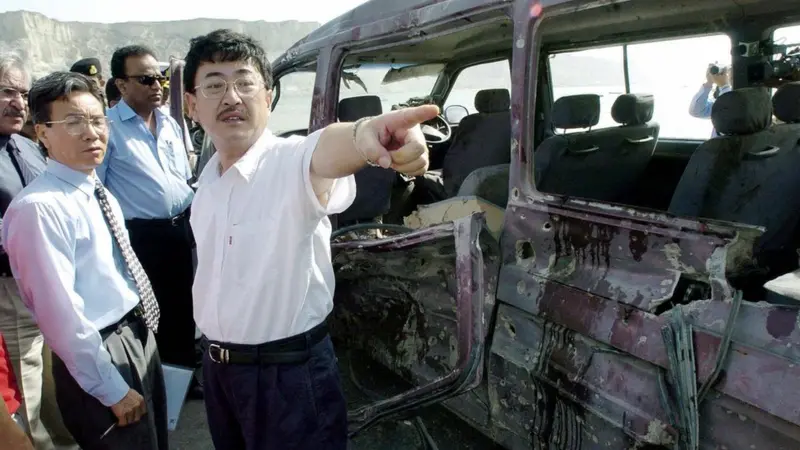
[(701, 103)]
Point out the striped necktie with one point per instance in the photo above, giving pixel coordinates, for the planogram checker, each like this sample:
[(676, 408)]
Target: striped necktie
[(146, 296)]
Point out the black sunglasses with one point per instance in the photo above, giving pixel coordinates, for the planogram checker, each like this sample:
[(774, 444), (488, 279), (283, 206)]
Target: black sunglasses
[(147, 80)]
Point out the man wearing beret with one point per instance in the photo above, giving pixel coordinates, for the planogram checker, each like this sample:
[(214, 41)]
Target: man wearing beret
[(91, 68)]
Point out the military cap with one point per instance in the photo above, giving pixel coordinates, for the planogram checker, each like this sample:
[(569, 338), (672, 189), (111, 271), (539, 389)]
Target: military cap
[(87, 66)]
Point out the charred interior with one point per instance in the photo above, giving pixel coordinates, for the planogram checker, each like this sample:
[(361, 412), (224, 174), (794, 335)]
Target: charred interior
[(581, 267)]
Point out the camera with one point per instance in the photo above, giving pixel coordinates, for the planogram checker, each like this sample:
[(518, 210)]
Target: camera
[(717, 69), (784, 66)]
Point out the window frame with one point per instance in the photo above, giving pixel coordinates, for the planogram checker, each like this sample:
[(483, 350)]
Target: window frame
[(308, 66), (452, 75), (625, 66)]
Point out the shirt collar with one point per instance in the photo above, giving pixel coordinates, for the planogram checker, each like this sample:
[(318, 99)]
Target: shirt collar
[(245, 166), (125, 111), (248, 163), (80, 180)]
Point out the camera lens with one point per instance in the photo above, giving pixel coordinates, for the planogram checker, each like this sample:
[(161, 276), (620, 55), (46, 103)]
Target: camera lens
[(714, 70)]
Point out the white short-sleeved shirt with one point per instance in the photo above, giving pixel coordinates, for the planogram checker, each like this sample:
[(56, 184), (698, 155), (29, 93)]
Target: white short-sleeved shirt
[(263, 243)]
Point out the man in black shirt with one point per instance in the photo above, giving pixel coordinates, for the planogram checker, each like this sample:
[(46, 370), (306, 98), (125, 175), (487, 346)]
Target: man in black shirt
[(20, 162)]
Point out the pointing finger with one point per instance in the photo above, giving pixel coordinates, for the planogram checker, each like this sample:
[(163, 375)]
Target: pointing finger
[(408, 117)]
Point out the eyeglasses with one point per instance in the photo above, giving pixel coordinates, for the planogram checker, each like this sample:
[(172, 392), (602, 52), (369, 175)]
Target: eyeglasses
[(7, 93), (245, 87), (77, 125), (146, 80)]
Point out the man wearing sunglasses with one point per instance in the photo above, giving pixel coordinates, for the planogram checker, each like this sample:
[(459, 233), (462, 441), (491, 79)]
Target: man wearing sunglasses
[(76, 271), (147, 169)]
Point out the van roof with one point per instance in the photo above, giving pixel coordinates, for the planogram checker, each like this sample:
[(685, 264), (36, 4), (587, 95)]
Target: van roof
[(573, 22), (381, 17)]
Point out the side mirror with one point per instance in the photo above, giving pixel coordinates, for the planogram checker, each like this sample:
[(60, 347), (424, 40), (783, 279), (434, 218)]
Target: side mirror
[(455, 113)]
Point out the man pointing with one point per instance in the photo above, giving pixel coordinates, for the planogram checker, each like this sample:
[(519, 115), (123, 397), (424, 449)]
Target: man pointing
[(264, 283)]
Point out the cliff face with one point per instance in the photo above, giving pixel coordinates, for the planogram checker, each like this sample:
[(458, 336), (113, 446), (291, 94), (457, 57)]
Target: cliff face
[(49, 45)]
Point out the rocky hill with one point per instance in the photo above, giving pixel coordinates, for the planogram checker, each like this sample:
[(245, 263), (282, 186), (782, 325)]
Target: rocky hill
[(49, 45)]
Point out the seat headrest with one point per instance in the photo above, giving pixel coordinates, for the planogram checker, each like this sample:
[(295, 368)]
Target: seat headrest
[(786, 103), (742, 111), (354, 108), (492, 101), (576, 111), (633, 109)]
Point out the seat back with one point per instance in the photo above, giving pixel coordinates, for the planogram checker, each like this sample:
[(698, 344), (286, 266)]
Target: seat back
[(603, 164), (749, 173), (373, 184), (482, 139), (489, 183)]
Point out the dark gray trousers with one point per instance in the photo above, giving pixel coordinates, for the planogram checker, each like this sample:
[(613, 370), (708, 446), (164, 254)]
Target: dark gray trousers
[(133, 351)]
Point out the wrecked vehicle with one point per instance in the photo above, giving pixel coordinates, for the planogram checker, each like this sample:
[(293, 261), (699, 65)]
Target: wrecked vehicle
[(584, 265)]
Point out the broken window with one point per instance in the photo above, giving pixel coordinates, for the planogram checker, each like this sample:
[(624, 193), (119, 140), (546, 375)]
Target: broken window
[(492, 75), (673, 71), (595, 71), (293, 109)]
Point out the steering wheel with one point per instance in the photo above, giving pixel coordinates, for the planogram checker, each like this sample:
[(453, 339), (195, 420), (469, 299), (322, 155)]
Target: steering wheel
[(437, 130)]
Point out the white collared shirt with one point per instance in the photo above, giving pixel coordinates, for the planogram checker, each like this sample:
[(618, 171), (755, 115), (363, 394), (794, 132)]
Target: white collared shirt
[(264, 267)]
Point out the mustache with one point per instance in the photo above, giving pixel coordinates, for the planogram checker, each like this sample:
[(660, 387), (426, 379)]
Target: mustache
[(233, 109), (13, 112)]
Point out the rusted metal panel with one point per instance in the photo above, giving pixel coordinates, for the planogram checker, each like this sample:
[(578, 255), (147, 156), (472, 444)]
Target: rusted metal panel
[(419, 302), (376, 19), (631, 260), (550, 383)]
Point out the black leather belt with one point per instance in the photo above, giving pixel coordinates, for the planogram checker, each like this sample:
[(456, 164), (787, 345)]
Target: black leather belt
[(292, 350), (134, 315), (170, 222)]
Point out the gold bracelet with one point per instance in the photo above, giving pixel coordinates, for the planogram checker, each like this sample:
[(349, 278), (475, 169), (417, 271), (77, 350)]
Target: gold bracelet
[(355, 143)]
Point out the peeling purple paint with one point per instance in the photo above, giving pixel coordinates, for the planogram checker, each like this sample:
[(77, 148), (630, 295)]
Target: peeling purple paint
[(577, 289), (781, 322)]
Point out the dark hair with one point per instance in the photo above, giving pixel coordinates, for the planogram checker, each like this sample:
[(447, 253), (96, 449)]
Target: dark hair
[(57, 86), (224, 46), (122, 54), (112, 91)]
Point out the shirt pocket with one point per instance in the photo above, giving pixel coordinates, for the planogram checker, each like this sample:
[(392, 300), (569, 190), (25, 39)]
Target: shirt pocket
[(250, 246), (171, 153)]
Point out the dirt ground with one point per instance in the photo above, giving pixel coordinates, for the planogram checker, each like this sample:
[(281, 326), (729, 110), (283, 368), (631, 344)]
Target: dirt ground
[(447, 431)]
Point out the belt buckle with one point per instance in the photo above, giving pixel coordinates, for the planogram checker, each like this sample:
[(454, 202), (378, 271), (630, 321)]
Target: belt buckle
[(223, 354), (174, 220)]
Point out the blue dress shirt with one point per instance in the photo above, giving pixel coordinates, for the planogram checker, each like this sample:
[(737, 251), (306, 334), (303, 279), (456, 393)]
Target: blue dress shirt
[(148, 175), (701, 105), (70, 273)]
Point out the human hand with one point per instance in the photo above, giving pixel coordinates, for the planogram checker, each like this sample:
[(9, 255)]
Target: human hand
[(130, 409), (723, 78), (395, 139), (709, 78)]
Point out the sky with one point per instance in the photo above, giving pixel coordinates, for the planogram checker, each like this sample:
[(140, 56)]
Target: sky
[(106, 11)]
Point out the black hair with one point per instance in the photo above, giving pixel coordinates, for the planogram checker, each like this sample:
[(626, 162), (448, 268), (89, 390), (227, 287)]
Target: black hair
[(112, 91), (224, 46), (57, 86), (122, 54)]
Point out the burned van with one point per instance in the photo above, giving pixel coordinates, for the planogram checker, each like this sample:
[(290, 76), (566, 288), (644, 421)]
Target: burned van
[(602, 254)]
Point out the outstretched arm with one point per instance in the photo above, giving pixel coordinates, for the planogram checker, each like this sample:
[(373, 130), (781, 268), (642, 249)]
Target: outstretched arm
[(392, 140)]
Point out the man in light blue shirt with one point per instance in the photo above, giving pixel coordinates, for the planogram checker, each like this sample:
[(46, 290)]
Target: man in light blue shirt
[(702, 104), (79, 277), (147, 169)]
